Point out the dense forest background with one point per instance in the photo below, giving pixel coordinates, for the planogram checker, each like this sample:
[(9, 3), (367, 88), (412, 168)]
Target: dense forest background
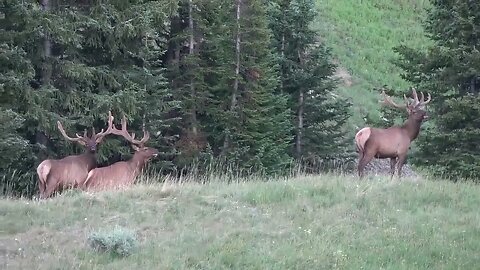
[(248, 84)]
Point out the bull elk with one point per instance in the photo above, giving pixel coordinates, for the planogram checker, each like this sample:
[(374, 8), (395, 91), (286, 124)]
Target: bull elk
[(70, 171), (392, 142), (122, 173)]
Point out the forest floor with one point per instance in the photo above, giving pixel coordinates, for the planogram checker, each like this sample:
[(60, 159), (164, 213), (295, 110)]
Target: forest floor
[(306, 222)]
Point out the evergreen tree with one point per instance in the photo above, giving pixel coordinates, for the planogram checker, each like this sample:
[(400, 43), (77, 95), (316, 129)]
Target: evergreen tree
[(16, 74), (187, 71), (81, 60), (450, 71), (320, 114), (249, 121)]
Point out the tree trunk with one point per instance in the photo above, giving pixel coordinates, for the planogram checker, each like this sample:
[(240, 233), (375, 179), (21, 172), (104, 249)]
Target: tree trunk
[(300, 111), (191, 51), (282, 51), (299, 137), (236, 82), (47, 49)]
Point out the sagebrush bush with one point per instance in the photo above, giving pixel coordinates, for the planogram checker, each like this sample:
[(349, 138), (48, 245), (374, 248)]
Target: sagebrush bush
[(118, 241)]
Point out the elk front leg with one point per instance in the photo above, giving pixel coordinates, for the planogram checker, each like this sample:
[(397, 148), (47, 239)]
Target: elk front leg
[(401, 161)]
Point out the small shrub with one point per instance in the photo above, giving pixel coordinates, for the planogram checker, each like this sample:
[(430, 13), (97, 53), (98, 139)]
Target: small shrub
[(118, 241)]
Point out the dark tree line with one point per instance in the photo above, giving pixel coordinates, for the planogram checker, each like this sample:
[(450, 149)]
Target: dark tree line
[(244, 83)]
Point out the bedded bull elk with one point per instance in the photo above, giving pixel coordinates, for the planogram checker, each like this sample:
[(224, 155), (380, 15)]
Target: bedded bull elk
[(122, 173), (70, 171), (392, 142)]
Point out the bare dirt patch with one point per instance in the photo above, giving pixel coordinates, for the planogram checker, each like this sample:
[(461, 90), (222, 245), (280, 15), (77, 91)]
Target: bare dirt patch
[(344, 76), (382, 167)]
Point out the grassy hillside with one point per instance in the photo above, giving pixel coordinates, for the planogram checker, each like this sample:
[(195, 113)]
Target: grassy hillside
[(324, 222), (361, 35)]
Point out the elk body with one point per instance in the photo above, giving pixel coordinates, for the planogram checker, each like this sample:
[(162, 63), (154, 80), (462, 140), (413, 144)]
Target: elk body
[(392, 142), (70, 171), (122, 173)]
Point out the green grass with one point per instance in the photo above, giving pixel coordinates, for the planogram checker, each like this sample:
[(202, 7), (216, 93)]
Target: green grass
[(322, 222), (362, 35)]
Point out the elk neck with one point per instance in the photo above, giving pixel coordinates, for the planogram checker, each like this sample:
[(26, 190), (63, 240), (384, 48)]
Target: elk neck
[(412, 126), (90, 159), (137, 161)]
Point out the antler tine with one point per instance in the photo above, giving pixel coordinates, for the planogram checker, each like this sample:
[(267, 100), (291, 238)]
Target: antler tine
[(388, 101), (64, 134), (426, 101), (124, 132), (414, 93), (146, 136), (416, 102), (99, 136)]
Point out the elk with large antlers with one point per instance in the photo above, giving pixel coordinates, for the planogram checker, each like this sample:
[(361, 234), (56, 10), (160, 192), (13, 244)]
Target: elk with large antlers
[(122, 173), (70, 171), (392, 142)]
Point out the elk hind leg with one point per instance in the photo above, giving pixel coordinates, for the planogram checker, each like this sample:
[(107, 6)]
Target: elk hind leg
[(50, 188), (364, 160), (43, 170)]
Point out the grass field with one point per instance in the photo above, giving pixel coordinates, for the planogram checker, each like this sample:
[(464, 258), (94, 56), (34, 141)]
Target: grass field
[(321, 222), (362, 35)]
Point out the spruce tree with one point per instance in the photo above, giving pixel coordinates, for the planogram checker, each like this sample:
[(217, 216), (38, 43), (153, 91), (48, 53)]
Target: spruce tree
[(83, 59), (306, 76), (450, 71), (249, 121)]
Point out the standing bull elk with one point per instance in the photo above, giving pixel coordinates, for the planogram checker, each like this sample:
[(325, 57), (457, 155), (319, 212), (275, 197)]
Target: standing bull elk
[(70, 171), (392, 142), (122, 173)]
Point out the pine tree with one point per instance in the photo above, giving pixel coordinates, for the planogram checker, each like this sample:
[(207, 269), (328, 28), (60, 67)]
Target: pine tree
[(450, 71)]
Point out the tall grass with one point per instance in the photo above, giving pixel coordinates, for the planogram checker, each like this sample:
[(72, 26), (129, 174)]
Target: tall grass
[(323, 222)]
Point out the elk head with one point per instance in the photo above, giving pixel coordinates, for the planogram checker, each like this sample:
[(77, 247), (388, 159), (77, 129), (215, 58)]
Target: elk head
[(90, 143), (143, 152), (414, 107)]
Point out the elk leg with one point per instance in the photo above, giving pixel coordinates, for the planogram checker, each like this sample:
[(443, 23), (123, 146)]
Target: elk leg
[(41, 187), (49, 189), (393, 162), (366, 158), (401, 161)]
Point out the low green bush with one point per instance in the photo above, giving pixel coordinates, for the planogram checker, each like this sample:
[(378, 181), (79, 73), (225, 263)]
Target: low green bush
[(118, 241)]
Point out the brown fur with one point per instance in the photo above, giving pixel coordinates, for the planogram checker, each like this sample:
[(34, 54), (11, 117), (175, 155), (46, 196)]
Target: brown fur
[(119, 174), (71, 171), (122, 173), (392, 142)]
